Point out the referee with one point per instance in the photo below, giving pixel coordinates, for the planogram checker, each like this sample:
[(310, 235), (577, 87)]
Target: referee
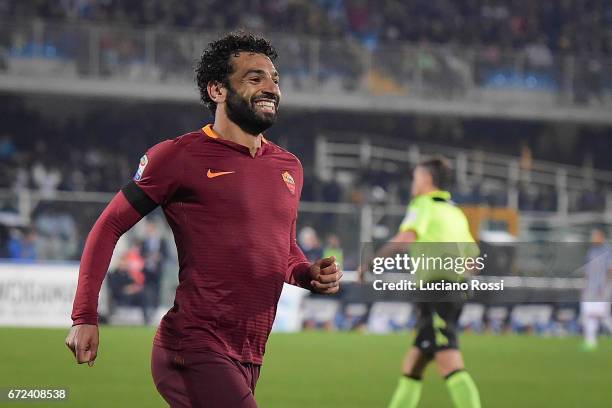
[(435, 227)]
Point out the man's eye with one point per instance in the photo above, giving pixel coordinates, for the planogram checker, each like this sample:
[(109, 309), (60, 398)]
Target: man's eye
[(255, 80)]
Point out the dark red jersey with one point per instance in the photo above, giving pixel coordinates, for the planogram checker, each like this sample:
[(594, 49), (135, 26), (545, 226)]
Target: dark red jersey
[(233, 217)]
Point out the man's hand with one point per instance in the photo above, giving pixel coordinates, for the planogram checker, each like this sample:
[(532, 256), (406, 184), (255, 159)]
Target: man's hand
[(83, 341), (326, 275)]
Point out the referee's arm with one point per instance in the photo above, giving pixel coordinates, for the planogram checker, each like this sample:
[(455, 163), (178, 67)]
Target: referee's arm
[(400, 243)]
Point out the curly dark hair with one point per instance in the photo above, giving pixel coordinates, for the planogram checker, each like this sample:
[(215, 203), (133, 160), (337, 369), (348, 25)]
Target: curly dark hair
[(215, 64)]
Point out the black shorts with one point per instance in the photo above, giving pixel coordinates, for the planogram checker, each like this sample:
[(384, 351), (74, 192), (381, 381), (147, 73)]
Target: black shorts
[(437, 326)]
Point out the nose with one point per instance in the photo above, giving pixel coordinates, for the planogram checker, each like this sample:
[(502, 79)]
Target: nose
[(271, 87)]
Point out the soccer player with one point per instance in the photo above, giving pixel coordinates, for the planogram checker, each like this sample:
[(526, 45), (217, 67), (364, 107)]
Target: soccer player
[(434, 224), (231, 198), (595, 306)]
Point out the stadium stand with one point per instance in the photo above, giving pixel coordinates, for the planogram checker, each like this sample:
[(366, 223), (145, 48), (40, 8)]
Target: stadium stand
[(519, 46), (569, 26)]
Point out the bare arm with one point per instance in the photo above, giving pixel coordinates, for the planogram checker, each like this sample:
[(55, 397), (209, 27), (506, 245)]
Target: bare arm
[(399, 243)]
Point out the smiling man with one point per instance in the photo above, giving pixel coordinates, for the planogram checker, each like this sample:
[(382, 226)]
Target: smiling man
[(231, 198)]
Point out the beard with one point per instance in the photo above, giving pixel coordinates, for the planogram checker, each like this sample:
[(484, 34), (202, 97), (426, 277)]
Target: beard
[(243, 113)]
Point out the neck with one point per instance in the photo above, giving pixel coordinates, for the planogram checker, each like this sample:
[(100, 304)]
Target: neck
[(428, 190), (228, 130)]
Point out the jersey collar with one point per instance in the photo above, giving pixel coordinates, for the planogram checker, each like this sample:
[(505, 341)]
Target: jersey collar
[(212, 134), (445, 195)]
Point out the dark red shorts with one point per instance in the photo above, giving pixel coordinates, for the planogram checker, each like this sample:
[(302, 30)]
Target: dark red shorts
[(203, 379)]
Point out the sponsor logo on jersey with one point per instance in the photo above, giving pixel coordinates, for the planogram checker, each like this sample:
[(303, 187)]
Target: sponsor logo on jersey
[(288, 179), (141, 167), (213, 174)]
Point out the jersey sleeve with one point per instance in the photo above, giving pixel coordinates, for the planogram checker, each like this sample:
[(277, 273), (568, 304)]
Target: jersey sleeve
[(298, 266), (416, 218), (160, 171), (117, 218)]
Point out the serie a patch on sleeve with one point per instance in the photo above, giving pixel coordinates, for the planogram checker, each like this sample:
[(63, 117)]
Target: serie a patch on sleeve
[(144, 160)]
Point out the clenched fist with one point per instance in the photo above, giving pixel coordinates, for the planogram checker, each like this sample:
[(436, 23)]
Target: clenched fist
[(83, 340), (325, 276)]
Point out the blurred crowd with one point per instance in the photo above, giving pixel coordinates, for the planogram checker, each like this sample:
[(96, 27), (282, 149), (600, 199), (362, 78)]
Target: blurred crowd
[(49, 168), (95, 147), (135, 278), (493, 44), (566, 25)]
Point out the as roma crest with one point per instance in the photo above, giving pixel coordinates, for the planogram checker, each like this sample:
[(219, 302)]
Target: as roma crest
[(289, 181)]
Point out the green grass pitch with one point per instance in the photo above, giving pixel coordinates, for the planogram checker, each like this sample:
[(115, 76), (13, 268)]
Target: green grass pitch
[(319, 370)]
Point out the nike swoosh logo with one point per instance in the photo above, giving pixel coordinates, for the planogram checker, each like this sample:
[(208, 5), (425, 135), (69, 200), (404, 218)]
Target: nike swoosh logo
[(211, 174)]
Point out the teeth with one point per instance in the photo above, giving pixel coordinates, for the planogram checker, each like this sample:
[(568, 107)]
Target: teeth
[(265, 104)]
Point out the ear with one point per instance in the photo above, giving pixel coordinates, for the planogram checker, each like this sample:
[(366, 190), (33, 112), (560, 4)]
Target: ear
[(429, 178), (216, 91)]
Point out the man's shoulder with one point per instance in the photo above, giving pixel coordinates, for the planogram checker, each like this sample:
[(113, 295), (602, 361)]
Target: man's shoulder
[(175, 145), (284, 153), (185, 140), (419, 201)]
